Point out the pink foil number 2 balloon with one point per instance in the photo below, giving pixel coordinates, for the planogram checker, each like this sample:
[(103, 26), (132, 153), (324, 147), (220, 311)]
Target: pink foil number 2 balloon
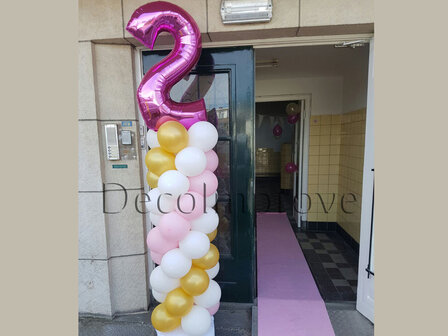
[(153, 94)]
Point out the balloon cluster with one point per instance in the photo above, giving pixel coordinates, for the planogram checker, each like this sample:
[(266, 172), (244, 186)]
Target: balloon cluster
[(183, 193)]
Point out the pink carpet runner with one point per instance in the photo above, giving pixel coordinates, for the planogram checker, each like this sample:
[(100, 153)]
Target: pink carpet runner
[(289, 303)]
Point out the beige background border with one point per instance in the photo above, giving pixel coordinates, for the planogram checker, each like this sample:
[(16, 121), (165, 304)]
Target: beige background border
[(39, 168), (39, 154)]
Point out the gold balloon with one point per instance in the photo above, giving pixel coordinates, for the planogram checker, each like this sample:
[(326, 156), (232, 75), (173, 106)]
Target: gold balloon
[(152, 179), (212, 235), (159, 161), (209, 260), (172, 136), (178, 303), (195, 282), (164, 321)]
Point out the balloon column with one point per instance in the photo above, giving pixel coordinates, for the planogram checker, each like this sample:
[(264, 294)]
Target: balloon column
[(180, 164)]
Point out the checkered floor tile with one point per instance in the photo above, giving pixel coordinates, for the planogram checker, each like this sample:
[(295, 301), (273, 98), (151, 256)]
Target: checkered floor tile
[(333, 263)]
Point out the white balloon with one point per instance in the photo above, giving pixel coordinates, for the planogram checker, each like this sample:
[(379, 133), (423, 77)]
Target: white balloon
[(190, 161), (207, 222), (203, 135), (211, 200), (195, 245), (210, 297), (174, 183), (197, 322), (161, 282), (212, 272), (154, 219), (175, 264), (151, 139), (159, 296), (160, 203)]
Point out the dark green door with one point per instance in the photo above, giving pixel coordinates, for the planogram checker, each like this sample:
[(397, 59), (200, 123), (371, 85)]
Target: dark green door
[(224, 77)]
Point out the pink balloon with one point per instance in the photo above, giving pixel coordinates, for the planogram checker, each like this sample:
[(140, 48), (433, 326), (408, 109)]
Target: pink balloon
[(173, 226), (291, 167), (277, 130), (190, 205), (156, 257), (212, 160), (153, 94), (292, 119), (207, 178), (213, 309), (157, 243)]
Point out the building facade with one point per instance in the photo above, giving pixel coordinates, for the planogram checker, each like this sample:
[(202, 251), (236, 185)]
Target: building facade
[(113, 258)]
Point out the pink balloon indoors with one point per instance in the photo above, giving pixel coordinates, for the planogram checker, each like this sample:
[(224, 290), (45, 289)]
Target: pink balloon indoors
[(291, 167), (208, 179), (153, 94), (173, 226), (277, 130)]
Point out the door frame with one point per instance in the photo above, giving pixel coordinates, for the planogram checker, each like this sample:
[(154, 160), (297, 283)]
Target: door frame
[(365, 290), (303, 145), (138, 71)]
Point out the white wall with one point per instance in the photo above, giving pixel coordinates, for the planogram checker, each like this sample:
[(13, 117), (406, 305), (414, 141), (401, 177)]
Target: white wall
[(354, 93), (326, 92), (266, 139)]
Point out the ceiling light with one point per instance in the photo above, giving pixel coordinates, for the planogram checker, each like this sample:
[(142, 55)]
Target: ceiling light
[(246, 11), (267, 64)]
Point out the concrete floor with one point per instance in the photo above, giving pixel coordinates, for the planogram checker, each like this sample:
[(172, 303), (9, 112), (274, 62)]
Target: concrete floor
[(347, 321), (231, 320)]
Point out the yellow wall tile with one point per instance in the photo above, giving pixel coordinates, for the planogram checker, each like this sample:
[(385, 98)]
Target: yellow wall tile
[(313, 169), (323, 179), (325, 119), (333, 188), (314, 150), (334, 159), (335, 139), (324, 169), (333, 169), (322, 188), (324, 140), (324, 150), (325, 129), (314, 130), (322, 217), (333, 179), (336, 119), (314, 140), (324, 159), (313, 160), (315, 120), (335, 149), (313, 179), (336, 129)]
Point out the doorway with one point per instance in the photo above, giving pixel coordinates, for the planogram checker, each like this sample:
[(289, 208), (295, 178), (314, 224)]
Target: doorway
[(224, 77), (280, 127), (336, 79)]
